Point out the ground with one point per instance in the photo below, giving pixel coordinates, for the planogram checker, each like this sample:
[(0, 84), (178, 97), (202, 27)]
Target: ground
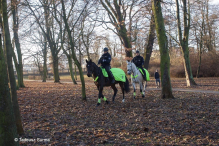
[(55, 112)]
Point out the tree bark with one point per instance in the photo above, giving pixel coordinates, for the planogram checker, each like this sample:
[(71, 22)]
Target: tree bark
[(10, 68), (17, 42), (55, 68), (149, 47), (45, 59), (8, 129), (16, 67), (184, 41), (71, 69), (163, 45)]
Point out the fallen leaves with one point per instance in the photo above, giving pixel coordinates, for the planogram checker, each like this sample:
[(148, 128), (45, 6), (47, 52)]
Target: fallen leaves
[(56, 111)]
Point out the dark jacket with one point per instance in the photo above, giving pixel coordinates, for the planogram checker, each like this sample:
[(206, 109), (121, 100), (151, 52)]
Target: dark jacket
[(156, 75), (105, 59), (138, 61)]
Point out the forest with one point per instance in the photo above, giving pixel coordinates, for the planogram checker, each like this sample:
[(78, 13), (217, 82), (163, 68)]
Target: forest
[(51, 85)]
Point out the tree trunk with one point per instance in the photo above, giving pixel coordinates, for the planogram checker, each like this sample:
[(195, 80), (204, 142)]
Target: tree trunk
[(163, 45), (17, 42), (188, 70), (73, 52), (71, 69), (148, 49), (75, 72), (8, 129), (17, 69), (184, 41), (45, 60), (55, 68), (199, 64), (10, 68)]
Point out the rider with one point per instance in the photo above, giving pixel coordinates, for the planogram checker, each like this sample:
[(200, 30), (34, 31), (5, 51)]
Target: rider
[(139, 61), (105, 63)]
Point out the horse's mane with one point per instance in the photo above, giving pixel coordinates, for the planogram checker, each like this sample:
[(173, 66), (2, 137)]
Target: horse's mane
[(96, 68)]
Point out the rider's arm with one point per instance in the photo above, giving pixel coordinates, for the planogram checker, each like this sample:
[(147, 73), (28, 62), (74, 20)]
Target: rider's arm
[(99, 62)]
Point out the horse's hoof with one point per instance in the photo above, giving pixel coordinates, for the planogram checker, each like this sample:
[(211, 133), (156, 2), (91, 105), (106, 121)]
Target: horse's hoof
[(98, 104), (142, 96), (134, 97), (107, 102), (123, 100)]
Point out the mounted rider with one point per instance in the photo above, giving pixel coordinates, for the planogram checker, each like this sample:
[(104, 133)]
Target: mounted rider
[(105, 63), (139, 61)]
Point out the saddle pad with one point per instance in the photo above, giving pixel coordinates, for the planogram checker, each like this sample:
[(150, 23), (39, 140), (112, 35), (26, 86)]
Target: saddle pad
[(119, 74), (147, 74)]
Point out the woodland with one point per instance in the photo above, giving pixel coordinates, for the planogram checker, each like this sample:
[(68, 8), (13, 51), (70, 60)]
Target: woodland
[(41, 104)]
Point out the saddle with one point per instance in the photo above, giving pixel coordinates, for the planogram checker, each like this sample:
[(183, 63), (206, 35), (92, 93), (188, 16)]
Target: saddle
[(147, 73)]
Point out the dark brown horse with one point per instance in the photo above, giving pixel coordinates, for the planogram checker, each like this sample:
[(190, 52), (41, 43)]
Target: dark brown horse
[(101, 81)]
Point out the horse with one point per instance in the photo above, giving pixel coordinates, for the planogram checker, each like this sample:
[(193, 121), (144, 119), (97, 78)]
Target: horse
[(136, 78), (101, 81)]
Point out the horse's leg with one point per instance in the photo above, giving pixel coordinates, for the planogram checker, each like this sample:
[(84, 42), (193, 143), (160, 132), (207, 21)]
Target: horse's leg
[(115, 91), (133, 84), (145, 87), (100, 95), (141, 87), (123, 89)]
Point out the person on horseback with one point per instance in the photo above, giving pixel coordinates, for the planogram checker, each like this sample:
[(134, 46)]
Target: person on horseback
[(105, 63), (138, 60)]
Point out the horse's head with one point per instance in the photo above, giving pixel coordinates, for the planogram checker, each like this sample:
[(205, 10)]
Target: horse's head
[(129, 67), (90, 68)]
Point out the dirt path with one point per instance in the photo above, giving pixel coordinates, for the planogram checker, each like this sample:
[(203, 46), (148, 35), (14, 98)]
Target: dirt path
[(150, 88)]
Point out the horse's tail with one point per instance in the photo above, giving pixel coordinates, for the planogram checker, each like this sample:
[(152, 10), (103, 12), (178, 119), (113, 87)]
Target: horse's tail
[(126, 85)]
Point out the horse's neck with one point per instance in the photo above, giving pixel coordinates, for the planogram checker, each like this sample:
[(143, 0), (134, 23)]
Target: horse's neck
[(134, 68), (96, 70)]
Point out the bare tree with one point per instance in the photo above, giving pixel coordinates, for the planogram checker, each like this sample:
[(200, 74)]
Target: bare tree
[(183, 39), (163, 45), (9, 51), (7, 125), (72, 42)]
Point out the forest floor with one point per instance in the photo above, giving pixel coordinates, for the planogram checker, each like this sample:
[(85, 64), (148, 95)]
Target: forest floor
[(55, 114)]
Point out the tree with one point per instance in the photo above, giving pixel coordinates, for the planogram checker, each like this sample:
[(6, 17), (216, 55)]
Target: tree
[(8, 47), (52, 41), (8, 129), (183, 40), (148, 48), (14, 7), (72, 43), (117, 13), (163, 45)]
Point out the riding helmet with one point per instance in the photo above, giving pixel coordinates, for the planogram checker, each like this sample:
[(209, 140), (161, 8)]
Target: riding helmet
[(105, 49), (137, 51)]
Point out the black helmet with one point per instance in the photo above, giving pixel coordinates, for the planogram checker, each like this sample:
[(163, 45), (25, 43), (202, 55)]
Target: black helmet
[(105, 49), (137, 51)]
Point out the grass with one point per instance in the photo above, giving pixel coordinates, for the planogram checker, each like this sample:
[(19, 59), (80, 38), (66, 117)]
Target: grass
[(68, 77)]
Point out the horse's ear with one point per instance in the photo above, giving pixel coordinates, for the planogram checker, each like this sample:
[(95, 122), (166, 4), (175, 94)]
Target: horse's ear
[(86, 60), (90, 60)]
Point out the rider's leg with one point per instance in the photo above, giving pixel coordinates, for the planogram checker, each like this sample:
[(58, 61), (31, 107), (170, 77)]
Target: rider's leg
[(110, 74), (144, 76)]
